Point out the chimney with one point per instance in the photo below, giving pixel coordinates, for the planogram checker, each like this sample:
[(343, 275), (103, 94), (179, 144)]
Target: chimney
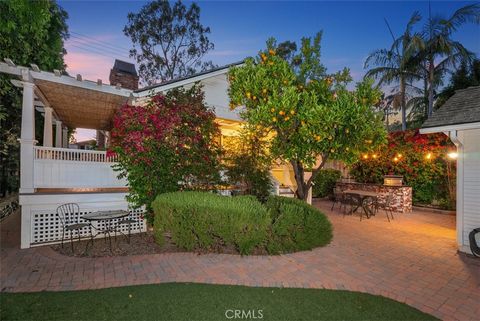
[(125, 74)]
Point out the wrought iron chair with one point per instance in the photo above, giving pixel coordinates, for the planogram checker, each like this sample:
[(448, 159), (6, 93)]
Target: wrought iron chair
[(69, 215), (351, 200), (386, 205), (129, 221), (338, 197)]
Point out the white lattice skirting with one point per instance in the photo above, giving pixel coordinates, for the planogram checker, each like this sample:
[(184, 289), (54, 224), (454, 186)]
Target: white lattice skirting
[(41, 225)]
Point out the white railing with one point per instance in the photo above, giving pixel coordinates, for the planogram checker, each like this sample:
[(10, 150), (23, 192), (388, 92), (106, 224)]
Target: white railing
[(73, 168), (76, 155)]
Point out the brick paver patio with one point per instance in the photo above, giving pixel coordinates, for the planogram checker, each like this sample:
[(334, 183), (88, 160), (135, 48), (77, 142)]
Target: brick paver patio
[(412, 259)]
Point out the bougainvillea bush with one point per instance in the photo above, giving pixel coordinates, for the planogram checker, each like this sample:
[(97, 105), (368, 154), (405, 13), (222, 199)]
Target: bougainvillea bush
[(168, 144), (421, 159)]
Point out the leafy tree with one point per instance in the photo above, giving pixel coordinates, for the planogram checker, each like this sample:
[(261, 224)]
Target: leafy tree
[(466, 76), (30, 32), (311, 116), (440, 52), (170, 38), (394, 65), (166, 145)]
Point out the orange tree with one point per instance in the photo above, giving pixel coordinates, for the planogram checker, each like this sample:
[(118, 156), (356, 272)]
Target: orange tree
[(311, 116)]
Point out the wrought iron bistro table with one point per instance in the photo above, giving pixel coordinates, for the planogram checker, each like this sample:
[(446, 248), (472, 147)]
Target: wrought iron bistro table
[(362, 196), (108, 218)]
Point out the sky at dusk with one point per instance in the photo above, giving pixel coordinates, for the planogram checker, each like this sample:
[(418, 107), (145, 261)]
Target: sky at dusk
[(239, 29)]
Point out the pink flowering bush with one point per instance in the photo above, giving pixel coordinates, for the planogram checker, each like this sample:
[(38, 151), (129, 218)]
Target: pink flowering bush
[(166, 145)]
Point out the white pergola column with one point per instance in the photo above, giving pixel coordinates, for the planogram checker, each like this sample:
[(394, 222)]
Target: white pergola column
[(65, 137), (27, 139), (58, 133), (47, 127)]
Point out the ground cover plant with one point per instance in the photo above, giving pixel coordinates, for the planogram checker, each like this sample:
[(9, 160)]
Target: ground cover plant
[(206, 221), (177, 301)]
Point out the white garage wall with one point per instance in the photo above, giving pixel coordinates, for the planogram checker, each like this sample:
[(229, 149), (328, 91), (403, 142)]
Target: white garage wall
[(471, 182)]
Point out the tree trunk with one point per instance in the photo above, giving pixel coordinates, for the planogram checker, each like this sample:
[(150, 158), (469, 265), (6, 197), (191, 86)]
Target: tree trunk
[(302, 188), (403, 103), (431, 78)]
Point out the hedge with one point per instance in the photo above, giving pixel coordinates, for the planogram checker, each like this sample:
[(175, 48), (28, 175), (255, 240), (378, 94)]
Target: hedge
[(204, 221), (296, 226), (200, 220)]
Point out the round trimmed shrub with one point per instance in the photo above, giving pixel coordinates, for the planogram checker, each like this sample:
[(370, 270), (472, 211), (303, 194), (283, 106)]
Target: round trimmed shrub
[(296, 226), (200, 220)]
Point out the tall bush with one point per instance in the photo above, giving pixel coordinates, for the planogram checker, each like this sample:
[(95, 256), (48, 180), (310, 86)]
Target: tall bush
[(248, 162), (325, 182), (167, 144), (421, 159)]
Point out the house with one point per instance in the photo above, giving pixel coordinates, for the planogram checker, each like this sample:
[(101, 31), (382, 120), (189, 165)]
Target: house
[(54, 174), (459, 118)]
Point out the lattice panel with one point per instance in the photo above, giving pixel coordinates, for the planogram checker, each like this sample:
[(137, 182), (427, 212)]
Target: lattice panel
[(47, 227)]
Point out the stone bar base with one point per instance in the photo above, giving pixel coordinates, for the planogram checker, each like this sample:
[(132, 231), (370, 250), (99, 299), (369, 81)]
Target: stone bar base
[(402, 195)]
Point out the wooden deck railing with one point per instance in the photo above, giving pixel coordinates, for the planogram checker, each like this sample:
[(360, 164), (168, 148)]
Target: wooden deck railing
[(76, 155)]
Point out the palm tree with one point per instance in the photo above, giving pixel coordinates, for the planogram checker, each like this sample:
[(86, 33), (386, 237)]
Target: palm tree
[(394, 65), (440, 52)]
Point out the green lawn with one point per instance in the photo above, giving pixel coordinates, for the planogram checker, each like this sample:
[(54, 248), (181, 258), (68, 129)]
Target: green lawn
[(179, 301)]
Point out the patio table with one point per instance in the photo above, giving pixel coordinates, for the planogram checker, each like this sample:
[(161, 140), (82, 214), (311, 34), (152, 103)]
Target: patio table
[(362, 197), (107, 217)]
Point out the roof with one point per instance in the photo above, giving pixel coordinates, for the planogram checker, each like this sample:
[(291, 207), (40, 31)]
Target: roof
[(203, 73), (125, 67), (462, 108)]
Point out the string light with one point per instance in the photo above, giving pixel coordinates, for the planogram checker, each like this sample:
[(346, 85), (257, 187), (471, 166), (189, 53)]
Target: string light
[(453, 155), (428, 156), (365, 156), (395, 159)]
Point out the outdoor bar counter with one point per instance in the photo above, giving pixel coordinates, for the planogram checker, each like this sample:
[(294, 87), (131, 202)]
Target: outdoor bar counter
[(402, 195)]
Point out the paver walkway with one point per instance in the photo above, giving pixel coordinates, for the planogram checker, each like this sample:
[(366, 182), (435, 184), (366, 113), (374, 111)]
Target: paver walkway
[(412, 259)]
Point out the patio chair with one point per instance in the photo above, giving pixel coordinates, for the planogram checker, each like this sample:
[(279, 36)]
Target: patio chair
[(351, 200), (386, 205), (69, 215), (129, 221), (338, 197)]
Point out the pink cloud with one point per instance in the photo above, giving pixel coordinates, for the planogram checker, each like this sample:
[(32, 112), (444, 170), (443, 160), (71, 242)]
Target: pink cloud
[(82, 134), (91, 66)]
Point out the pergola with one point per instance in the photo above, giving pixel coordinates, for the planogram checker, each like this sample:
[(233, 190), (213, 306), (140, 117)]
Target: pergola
[(69, 102)]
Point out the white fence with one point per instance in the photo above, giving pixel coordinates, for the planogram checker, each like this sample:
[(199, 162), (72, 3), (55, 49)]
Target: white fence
[(69, 168)]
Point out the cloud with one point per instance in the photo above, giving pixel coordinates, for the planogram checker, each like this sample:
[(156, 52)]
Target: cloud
[(82, 134), (90, 65)]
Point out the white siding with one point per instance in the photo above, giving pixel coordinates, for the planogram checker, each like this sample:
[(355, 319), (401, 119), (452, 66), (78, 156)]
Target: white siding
[(216, 96), (471, 182)]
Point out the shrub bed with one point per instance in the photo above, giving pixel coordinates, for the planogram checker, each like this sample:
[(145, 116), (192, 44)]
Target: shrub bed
[(296, 226), (206, 221), (200, 220)]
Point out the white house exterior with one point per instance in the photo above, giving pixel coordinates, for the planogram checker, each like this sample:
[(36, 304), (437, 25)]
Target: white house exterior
[(459, 118), (54, 174)]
